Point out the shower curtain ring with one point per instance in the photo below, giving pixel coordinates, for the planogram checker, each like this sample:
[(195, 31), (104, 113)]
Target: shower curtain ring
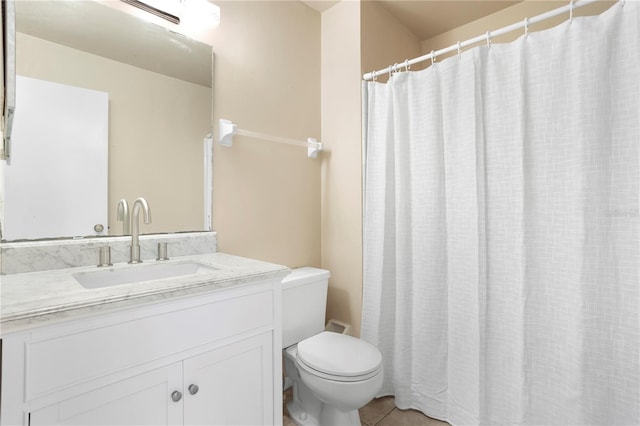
[(395, 67), (407, 67), (488, 38), (390, 70), (571, 11), (458, 45), (526, 27), (375, 77), (433, 57)]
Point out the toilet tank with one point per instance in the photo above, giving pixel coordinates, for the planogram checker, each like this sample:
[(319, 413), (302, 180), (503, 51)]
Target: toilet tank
[(304, 301)]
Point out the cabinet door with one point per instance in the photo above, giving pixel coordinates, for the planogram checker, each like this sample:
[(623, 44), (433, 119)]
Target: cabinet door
[(140, 400), (235, 384)]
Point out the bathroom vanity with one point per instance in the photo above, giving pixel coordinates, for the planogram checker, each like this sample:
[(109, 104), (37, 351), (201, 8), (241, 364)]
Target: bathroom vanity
[(197, 348)]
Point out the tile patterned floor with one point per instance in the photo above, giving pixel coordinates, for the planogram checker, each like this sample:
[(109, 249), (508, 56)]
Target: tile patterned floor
[(382, 412)]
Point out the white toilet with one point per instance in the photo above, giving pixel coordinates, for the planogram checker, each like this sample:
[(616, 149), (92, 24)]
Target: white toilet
[(333, 374)]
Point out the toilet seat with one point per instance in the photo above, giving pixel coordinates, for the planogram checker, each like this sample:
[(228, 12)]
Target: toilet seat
[(333, 377), (338, 357)]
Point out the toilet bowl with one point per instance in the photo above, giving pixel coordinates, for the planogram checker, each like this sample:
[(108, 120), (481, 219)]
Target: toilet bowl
[(333, 375)]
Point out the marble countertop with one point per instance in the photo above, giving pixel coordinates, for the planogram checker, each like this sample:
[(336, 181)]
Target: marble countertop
[(39, 298)]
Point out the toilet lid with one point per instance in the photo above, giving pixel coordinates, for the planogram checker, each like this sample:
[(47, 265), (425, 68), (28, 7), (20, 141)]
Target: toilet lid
[(339, 355)]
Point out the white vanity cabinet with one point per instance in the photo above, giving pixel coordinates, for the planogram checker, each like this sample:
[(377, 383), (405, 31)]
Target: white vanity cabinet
[(213, 359), (143, 399), (227, 386)]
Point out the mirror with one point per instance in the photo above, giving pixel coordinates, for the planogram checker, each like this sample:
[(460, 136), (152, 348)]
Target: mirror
[(159, 92)]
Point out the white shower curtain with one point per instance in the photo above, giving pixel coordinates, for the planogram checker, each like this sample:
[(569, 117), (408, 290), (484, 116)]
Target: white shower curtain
[(501, 229)]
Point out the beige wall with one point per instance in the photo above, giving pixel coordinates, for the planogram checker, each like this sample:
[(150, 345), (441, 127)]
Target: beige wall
[(341, 170), (356, 36), (156, 127), (385, 40), (266, 200)]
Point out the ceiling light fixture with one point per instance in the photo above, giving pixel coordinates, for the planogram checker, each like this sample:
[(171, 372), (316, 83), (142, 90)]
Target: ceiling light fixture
[(189, 13), (157, 8), (200, 14)]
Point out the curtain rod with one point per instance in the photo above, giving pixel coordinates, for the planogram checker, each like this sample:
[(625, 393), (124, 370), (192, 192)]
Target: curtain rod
[(487, 36)]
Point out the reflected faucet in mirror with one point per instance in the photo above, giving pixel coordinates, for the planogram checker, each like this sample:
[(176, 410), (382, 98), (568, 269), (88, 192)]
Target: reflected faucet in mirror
[(135, 226), (122, 215)]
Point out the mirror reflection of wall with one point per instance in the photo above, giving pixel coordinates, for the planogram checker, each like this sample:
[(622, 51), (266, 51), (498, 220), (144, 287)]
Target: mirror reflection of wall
[(157, 122)]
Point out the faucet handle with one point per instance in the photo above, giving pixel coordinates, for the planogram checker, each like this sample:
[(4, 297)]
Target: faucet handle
[(162, 251), (104, 256)]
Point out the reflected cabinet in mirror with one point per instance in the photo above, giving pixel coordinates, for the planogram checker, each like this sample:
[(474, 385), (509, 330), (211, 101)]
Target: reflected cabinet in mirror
[(113, 107)]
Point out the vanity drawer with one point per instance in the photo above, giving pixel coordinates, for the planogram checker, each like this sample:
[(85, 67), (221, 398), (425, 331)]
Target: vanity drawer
[(57, 363)]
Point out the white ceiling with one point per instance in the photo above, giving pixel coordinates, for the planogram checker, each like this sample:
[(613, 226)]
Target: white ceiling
[(428, 18)]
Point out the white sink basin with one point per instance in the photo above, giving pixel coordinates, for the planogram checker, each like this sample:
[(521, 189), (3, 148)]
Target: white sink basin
[(139, 273)]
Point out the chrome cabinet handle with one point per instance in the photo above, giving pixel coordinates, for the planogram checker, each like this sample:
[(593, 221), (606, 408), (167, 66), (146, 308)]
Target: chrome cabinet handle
[(176, 396), (193, 389)]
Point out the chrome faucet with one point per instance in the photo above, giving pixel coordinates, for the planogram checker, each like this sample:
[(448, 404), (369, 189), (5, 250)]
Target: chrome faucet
[(122, 215), (135, 243)]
